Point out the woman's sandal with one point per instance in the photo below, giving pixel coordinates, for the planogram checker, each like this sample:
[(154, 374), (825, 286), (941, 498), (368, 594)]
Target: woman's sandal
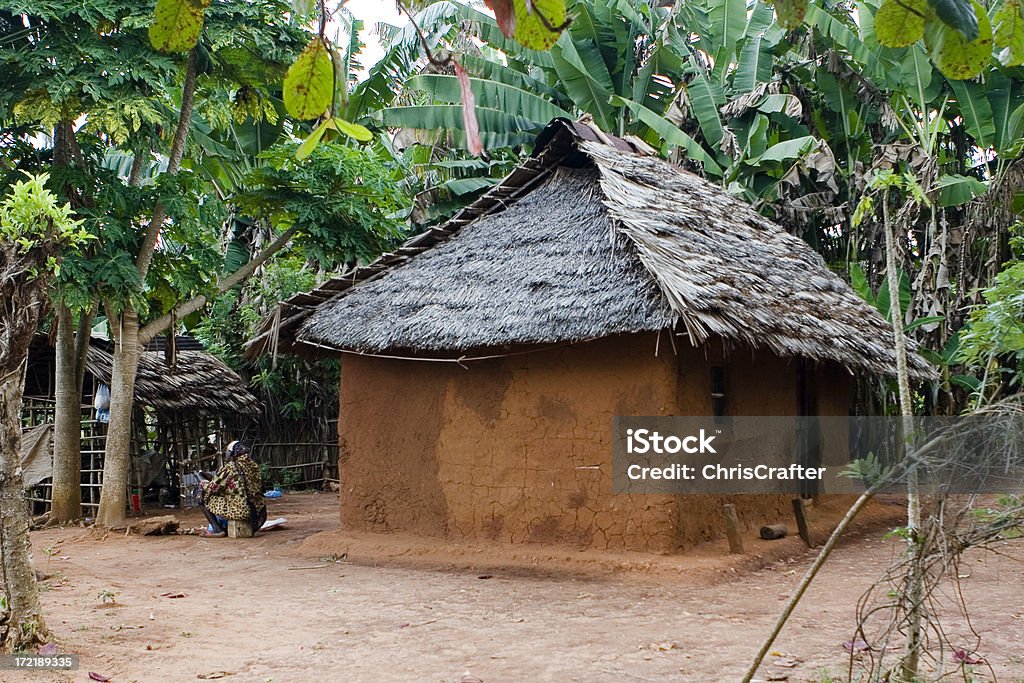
[(205, 533)]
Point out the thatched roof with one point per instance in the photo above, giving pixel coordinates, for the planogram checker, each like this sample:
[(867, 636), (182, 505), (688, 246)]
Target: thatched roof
[(197, 382), (589, 239)]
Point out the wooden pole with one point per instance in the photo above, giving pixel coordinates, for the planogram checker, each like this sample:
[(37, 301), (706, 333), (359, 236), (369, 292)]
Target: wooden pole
[(801, 521), (732, 529)]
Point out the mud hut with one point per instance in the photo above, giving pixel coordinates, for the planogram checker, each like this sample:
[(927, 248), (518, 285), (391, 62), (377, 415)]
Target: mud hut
[(484, 360)]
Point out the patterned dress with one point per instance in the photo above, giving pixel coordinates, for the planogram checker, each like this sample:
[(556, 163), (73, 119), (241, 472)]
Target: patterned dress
[(225, 495)]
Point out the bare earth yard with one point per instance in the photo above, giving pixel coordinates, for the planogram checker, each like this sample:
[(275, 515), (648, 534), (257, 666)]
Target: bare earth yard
[(287, 606)]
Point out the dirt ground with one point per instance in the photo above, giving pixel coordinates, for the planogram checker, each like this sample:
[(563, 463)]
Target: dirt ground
[(312, 603)]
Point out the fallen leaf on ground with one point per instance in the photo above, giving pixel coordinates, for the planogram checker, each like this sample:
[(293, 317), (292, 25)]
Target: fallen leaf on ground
[(663, 647), (786, 660), (486, 576), (48, 649), (470, 678), (173, 595), (215, 674), (98, 677), (855, 646), (967, 657)]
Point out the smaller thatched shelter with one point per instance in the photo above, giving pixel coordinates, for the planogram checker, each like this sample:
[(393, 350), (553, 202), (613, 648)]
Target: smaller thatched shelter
[(193, 382), (183, 396), (484, 361)]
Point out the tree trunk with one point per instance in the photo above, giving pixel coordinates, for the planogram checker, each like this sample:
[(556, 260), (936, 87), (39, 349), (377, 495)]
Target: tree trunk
[(21, 623), (67, 424), (21, 304), (912, 599), (117, 455)]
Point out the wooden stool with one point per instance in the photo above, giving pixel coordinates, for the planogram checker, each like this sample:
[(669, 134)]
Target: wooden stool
[(238, 528)]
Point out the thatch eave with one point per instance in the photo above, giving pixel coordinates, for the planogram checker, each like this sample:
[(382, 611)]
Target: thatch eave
[(558, 255), (197, 383)]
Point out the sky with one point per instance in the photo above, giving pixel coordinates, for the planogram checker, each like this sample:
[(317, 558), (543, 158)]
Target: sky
[(372, 11)]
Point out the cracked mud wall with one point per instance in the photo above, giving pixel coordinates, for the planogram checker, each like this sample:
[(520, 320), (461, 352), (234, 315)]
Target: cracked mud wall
[(518, 449), (756, 383), (531, 462), (390, 417)]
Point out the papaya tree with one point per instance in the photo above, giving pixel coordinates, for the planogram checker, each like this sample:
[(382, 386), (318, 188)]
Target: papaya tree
[(150, 163)]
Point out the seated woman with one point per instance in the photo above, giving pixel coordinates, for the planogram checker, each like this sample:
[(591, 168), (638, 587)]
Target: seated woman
[(234, 493)]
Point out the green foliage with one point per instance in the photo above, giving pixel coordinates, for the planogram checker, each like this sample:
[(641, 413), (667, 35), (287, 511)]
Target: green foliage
[(993, 341), (30, 214), (128, 95), (342, 199), (291, 476), (31, 218), (869, 469), (236, 316), (881, 300), (955, 189), (288, 387), (49, 81), (1009, 32)]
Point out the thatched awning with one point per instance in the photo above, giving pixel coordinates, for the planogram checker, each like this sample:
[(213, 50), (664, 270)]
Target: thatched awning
[(589, 239), (197, 382)]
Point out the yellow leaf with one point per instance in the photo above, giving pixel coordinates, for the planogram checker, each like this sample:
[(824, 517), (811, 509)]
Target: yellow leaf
[(539, 23), (790, 13), (310, 143), (309, 83), (352, 130), (900, 23), (956, 57), (176, 25)]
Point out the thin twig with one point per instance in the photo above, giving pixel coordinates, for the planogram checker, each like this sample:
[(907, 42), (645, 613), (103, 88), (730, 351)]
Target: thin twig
[(440, 63)]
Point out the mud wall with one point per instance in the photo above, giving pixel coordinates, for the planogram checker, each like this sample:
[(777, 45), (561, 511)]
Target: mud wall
[(756, 383), (518, 449), (390, 419)]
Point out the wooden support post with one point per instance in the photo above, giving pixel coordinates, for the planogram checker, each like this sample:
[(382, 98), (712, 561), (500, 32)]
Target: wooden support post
[(801, 521), (732, 529)]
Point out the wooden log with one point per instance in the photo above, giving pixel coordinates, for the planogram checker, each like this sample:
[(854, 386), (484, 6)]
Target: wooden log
[(155, 526), (801, 521), (732, 529), (774, 532), (238, 528)]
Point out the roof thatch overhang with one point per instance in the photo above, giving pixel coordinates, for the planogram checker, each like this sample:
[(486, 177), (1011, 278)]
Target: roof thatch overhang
[(593, 237), (196, 383)]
